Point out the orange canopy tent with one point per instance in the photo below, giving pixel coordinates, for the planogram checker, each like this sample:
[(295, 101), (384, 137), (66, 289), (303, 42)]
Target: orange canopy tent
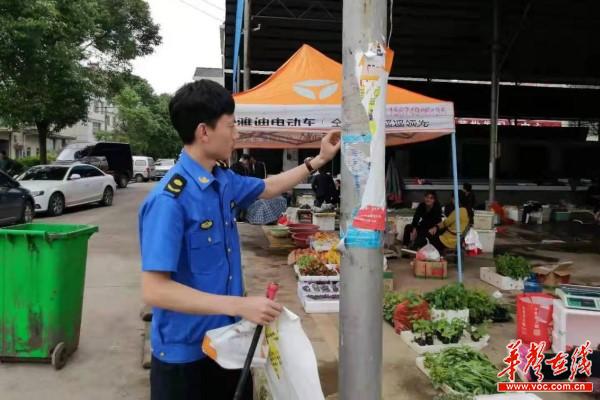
[(303, 98)]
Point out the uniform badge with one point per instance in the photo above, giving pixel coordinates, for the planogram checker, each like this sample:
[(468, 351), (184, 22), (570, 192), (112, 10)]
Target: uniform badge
[(206, 224), (175, 185), (203, 179)]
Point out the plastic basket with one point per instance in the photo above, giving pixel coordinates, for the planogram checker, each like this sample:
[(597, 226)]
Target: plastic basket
[(534, 317)]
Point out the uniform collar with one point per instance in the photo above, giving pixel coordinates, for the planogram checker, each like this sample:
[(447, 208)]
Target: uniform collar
[(199, 174)]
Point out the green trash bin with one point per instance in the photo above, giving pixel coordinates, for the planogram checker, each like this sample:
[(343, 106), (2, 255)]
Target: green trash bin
[(42, 276)]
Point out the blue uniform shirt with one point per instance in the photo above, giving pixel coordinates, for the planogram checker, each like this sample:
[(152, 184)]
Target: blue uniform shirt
[(187, 227)]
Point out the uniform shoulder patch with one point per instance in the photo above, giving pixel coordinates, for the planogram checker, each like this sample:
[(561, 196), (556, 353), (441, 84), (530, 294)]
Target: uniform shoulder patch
[(222, 164), (175, 185)]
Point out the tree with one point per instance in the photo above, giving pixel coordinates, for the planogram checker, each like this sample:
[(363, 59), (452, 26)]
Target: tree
[(144, 121), (46, 51)]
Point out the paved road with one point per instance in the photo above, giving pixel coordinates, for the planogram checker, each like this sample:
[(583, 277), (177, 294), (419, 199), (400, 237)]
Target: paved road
[(107, 365)]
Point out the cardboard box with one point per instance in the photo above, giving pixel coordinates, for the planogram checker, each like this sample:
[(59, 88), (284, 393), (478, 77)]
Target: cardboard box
[(388, 281), (431, 269), (553, 275)]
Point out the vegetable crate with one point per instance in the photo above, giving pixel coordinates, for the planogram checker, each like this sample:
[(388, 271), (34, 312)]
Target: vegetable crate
[(534, 317), (572, 327), (483, 220), (489, 275), (487, 237), (449, 315), (318, 301), (408, 338)]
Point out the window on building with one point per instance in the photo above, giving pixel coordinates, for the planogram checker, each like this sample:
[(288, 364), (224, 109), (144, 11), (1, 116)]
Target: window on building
[(107, 120), (96, 126), (64, 143), (96, 107), (37, 151)]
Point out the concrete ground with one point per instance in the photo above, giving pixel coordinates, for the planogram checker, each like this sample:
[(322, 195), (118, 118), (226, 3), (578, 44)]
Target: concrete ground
[(401, 379), (108, 362)]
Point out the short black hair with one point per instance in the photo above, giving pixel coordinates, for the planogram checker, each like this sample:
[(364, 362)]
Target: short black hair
[(431, 193), (199, 102), (467, 186)]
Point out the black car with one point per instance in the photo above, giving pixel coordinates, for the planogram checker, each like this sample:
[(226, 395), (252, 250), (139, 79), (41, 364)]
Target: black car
[(16, 202), (111, 157)]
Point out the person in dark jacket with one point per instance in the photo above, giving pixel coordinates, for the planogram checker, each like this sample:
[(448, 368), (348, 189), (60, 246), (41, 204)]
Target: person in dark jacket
[(469, 200), (427, 215), (257, 169), (242, 167), (324, 188)]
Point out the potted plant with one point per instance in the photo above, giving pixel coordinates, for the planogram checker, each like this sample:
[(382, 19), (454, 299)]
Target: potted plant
[(449, 332), (423, 332), (513, 266), (477, 332)]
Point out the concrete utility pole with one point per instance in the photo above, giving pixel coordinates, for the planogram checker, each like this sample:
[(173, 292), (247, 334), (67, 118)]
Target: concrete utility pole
[(361, 272), (494, 102)]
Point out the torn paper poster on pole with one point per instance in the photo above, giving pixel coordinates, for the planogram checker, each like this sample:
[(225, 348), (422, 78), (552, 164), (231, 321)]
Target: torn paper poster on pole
[(372, 81)]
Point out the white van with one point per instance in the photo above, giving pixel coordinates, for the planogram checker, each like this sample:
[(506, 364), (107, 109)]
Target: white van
[(143, 168)]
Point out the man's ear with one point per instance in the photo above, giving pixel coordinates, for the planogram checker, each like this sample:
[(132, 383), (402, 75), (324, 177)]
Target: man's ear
[(201, 134)]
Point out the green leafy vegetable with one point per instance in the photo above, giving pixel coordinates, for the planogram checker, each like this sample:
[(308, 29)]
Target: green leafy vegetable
[(463, 369), (513, 266), (449, 297)]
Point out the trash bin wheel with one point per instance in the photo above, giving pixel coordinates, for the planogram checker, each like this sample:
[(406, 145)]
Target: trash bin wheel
[(59, 356)]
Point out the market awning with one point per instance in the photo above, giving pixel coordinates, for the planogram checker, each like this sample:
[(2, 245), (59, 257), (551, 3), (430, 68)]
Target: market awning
[(302, 100)]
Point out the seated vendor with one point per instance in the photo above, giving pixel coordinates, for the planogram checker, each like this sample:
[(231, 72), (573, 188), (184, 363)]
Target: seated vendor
[(427, 215), (443, 235)]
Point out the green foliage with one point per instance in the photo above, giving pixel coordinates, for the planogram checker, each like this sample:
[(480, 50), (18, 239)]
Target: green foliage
[(478, 331), (481, 306), (448, 297), (463, 369), (449, 330), (513, 266), (45, 47), (144, 121), (28, 162), (456, 297), (423, 327)]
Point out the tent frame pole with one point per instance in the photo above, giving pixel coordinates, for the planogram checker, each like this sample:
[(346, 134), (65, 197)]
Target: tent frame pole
[(457, 209), (495, 89)]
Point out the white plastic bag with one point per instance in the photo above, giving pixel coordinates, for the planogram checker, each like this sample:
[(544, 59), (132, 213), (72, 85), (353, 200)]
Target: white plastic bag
[(290, 363), (472, 241), (229, 345), (428, 253)]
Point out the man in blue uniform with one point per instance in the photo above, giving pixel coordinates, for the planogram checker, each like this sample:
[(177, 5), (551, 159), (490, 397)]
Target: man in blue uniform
[(190, 246)]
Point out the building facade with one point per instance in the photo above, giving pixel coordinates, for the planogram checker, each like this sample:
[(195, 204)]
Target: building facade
[(102, 116)]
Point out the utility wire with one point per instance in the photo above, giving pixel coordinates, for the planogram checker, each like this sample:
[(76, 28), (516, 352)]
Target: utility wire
[(220, 20)]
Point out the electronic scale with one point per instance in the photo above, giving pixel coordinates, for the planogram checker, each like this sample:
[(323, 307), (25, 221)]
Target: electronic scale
[(580, 297)]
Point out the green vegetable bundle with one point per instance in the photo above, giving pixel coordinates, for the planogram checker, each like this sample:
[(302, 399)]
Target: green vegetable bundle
[(463, 370), (456, 297), (513, 266)]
